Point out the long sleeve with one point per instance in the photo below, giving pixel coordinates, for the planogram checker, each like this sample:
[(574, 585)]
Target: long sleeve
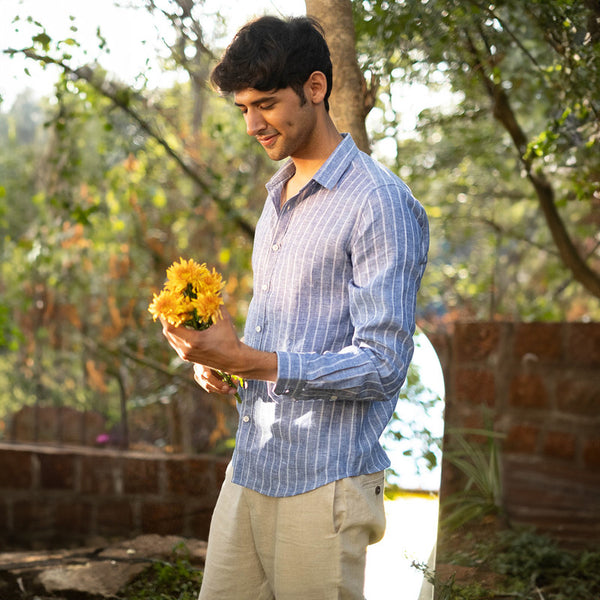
[(387, 251), (336, 273)]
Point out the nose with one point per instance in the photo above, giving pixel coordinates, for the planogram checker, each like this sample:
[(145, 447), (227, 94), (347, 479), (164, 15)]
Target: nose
[(255, 122)]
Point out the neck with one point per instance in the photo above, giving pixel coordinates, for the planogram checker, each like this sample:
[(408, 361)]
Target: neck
[(325, 142)]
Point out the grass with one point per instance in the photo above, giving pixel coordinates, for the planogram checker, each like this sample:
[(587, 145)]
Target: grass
[(487, 563), (481, 557), (177, 580), (479, 561)]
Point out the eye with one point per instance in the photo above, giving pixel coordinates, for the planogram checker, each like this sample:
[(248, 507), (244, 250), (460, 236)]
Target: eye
[(267, 106)]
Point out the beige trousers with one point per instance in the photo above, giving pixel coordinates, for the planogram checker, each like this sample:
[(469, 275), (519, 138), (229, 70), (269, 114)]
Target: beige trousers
[(306, 547)]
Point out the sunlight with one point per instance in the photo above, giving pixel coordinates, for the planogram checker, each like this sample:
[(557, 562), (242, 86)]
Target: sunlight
[(411, 533)]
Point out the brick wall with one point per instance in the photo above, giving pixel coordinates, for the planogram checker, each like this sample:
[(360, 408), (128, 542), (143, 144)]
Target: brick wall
[(541, 384), (58, 496)]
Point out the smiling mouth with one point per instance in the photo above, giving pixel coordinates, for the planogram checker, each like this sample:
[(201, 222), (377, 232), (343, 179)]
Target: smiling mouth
[(267, 140)]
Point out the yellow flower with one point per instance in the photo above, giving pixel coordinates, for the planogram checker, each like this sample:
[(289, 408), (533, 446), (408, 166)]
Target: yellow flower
[(207, 306), (181, 275), (185, 270), (166, 304), (192, 298)]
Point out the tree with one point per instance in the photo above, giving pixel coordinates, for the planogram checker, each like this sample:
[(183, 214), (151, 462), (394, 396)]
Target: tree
[(527, 75), (124, 180), (351, 100)]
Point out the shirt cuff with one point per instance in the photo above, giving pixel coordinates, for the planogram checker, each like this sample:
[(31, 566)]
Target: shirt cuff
[(289, 374)]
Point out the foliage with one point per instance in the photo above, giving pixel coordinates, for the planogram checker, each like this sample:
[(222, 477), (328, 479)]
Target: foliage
[(108, 184), (448, 589), (504, 154), (478, 463), (165, 581), (416, 426), (106, 187), (536, 560), (524, 564)]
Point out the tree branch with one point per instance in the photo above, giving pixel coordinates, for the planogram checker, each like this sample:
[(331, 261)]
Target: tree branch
[(504, 114), (120, 351), (121, 97)]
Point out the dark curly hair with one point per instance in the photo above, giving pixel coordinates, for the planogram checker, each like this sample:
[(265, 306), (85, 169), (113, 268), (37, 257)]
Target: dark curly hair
[(271, 53)]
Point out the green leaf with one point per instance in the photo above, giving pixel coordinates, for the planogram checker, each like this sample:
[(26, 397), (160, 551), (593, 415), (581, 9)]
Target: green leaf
[(43, 39)]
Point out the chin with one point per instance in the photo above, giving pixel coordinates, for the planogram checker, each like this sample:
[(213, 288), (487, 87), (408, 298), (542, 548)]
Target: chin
[(275, 154)]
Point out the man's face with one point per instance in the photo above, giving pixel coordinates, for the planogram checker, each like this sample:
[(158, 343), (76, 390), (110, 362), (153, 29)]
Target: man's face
[(281, 122)]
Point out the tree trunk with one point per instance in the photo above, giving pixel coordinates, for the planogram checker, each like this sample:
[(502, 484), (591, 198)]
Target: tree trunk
[(349, 99)]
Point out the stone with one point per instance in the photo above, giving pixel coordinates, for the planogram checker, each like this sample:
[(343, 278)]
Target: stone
[(95, 578), (91, 572)]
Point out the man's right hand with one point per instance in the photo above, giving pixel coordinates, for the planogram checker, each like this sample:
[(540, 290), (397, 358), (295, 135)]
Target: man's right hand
[(210, 381)]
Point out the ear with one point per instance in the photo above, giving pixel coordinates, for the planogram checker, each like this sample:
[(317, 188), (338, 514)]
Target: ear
[(315, 87)]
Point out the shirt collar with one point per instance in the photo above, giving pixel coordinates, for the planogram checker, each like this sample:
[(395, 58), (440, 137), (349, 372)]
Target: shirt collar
[(330, 171), (335, 166)]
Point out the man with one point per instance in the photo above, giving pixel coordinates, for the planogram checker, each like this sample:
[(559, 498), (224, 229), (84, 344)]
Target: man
[(339, 253)]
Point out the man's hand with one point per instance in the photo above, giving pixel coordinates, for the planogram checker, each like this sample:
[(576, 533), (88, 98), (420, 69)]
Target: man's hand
[(210, 381), (219, 347)]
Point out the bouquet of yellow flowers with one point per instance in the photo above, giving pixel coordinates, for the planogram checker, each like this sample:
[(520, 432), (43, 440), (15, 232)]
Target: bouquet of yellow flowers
[(192, 298)]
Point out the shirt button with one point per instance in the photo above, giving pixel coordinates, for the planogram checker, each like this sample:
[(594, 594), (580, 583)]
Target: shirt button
[(246, 419), (258, 329), (264, 287), (275, 247)]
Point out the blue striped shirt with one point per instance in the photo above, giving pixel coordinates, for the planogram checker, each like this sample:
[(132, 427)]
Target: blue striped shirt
[(336, 274)]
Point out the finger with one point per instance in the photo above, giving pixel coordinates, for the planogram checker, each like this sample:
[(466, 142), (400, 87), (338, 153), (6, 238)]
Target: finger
[(217, 381), (210, 380)]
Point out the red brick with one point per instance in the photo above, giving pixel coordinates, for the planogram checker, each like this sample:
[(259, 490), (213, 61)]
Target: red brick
[(474, 420), (31, 516), (475, 341), (542, 340), (114, 518), (178, 480), (101, 475), (140, 475), (193, 477), (528, 391), (200, 523), (163, 518), (203, 479), (579, 395), (221, 467), (591, 454), (72, 518), (522, 439), (15, 469), (441, 343), (475, 386), (57, 471), (3, 516), (583, 345), (560, 444)]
